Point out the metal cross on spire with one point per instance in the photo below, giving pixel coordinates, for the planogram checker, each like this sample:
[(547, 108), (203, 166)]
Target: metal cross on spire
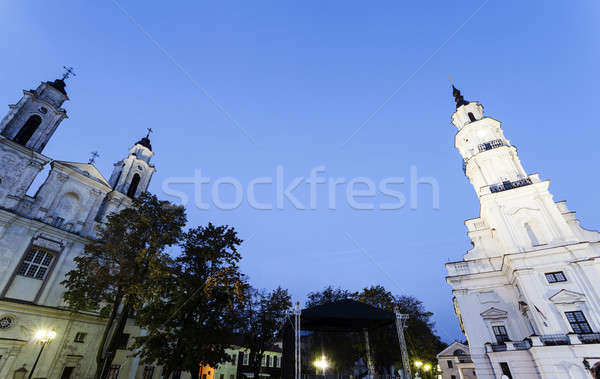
[(94, 155), (68, 72), (149, 131)]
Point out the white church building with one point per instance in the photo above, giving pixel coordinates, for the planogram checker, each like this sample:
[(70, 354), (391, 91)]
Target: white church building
[(527, 294), (40, 235)]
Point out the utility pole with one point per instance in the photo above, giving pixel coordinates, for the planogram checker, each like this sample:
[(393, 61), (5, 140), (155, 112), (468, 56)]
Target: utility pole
[(400, 326)]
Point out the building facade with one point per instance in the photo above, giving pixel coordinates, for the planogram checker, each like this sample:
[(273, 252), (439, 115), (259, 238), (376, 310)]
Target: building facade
[(527, 294), (41, 234), (454, 362)]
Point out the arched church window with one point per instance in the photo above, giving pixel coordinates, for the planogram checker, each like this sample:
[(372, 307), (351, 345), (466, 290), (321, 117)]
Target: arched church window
[(531, 234), (28, 129), (133, 186), (472, 117)]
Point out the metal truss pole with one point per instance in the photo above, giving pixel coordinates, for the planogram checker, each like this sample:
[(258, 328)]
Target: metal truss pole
[(400, 326)]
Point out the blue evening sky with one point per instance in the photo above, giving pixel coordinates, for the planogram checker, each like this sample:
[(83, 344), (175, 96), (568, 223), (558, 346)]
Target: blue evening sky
[(299, 78)]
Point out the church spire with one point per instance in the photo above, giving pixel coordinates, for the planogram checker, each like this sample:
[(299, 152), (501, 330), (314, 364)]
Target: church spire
[(460, 100)]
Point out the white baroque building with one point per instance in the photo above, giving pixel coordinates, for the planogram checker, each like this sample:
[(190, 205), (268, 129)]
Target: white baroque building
[(527, 294), (40, 236)]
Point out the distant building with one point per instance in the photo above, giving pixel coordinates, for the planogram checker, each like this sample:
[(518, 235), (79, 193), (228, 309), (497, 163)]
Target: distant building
[(455, 362), (238, 367), (527, 294)]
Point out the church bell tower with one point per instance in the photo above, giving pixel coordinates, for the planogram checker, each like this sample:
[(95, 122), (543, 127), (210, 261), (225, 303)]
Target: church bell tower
[(24, 132), (32, 121), (131, 176)]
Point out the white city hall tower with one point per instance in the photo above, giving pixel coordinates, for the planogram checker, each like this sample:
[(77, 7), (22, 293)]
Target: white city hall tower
[(527, 294)]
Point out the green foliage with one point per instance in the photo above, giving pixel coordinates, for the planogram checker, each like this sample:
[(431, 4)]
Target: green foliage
[(190, 316), (128, 253), (328, 295), (264, 314)]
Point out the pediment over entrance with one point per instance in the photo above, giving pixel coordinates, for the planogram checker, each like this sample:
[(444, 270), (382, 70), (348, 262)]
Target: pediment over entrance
[(567, 297), (494, 313)]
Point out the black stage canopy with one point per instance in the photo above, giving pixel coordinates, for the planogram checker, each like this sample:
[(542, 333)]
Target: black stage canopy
[(345, 315)]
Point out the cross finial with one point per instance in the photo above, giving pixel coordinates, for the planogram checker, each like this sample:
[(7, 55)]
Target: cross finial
[(450, 79), (149, 131), (68, 72), (94, 155)]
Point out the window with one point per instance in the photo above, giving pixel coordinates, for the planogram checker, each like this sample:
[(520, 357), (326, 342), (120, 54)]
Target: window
[(279, 362), (133, 186), (231, 376), (578, 322), (452, 376), (554, 277), (80, 337), (113, 373), (177, 374), (500, 333), (268, 361), (6, 322), (245, 358), (471, 117), (148, 372), (262, 362), (450, 365), (222, 376), (275, 361), (233, 359), (28, 129), (123, 341), (35, 264), (505, 369)]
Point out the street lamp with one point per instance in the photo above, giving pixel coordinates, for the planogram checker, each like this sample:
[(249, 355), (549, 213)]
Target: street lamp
[(43, 337), (418, 364), (427, 367), (321, 363)]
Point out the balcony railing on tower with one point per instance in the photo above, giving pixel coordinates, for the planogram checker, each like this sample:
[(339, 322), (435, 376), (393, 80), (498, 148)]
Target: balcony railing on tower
[(506, 185), (490, 145)]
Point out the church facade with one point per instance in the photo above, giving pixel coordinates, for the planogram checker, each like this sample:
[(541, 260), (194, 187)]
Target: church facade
[(527, 294), (41, 234)]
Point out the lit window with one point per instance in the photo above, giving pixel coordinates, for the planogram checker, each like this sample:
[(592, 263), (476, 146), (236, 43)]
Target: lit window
[(246, 359), (500, 333), (554, 277), (35, 264), (578, 322)]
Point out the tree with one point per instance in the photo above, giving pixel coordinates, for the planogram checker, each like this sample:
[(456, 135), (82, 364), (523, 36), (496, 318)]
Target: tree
[(264, 314), (190, 316), (328, 295), (112, 274)]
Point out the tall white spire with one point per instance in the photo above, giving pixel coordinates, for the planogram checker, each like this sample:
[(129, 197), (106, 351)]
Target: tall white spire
[(517, 210)]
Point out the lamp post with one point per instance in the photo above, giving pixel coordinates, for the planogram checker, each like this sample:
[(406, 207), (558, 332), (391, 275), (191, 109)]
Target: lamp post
[(44, 337), (322, 364)]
